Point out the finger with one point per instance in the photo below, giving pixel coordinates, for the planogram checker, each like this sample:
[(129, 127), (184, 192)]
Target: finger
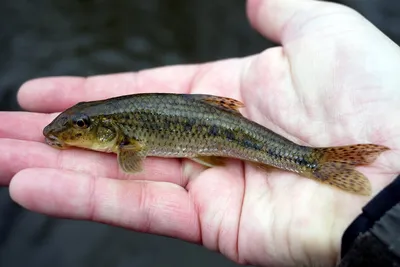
[(17, 155), (218, 78), (152, 207), (283, 20), (57, 93), (24, 125)]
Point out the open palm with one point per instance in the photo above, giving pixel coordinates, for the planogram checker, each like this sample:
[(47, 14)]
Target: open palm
[(332, 82)]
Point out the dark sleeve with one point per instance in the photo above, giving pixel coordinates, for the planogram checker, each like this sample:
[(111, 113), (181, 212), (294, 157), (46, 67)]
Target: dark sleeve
[(373, 238)]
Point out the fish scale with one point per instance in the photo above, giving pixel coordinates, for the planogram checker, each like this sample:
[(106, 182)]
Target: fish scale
[(205, 128)]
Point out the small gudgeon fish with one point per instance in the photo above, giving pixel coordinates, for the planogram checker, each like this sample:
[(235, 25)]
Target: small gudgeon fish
[(206, 129)]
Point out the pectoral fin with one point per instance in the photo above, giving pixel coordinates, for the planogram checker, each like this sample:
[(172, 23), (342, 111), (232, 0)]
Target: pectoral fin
[(130, 157), (210, 161)]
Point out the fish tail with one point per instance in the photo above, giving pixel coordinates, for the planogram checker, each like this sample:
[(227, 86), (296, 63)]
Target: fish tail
[(337, 166), (360, 154)]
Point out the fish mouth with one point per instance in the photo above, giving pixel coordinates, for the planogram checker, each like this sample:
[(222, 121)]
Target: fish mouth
[(53, 141)]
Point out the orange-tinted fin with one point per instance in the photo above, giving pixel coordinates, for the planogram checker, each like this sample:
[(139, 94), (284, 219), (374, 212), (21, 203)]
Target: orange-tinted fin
[(210, 161), (361, 154), (263, 166), (337, 166), (225, 103), (342, 176)]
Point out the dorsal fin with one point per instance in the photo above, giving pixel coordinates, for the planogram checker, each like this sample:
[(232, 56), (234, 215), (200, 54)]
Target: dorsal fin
[(225, 103)]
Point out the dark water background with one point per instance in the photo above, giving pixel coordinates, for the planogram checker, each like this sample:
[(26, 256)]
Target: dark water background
[(86, 37)]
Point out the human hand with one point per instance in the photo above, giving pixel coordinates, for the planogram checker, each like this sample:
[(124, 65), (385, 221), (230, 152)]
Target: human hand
[(333, 81)]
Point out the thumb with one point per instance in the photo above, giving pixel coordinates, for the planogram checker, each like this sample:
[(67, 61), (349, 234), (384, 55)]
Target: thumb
[(284, 20)]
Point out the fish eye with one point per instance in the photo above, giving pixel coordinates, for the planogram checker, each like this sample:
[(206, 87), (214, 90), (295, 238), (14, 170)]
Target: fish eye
[(81, 122)]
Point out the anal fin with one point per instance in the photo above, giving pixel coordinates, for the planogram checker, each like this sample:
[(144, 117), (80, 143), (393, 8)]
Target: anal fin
[(264, 167), (210, 161), (342, 176)]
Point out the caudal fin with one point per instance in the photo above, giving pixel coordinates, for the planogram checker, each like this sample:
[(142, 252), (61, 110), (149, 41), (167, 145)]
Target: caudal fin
[(361, 154), (337, 166)]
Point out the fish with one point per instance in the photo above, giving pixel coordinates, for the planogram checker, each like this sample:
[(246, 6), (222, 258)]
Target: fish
[(205, 128)]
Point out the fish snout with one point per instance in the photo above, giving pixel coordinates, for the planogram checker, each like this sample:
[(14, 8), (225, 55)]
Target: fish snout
[(47, 130), (51, 138), (54, 141)]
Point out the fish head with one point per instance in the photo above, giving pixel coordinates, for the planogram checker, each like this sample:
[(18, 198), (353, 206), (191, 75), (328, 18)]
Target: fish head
[(75, 128), (69, 130)]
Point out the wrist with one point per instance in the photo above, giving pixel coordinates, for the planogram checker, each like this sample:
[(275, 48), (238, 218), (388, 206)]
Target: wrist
[(374, 231)]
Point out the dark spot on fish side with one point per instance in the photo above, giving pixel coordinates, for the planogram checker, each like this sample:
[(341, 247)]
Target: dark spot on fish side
[(272, 153), (213, 130), (229, 135), (301, 162), (250, 144), (188, 124)]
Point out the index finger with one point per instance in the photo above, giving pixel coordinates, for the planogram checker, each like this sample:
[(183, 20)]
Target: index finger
[(54, 94)]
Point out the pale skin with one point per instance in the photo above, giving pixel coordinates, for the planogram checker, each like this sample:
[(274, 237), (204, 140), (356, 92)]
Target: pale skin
[(333, 80)]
